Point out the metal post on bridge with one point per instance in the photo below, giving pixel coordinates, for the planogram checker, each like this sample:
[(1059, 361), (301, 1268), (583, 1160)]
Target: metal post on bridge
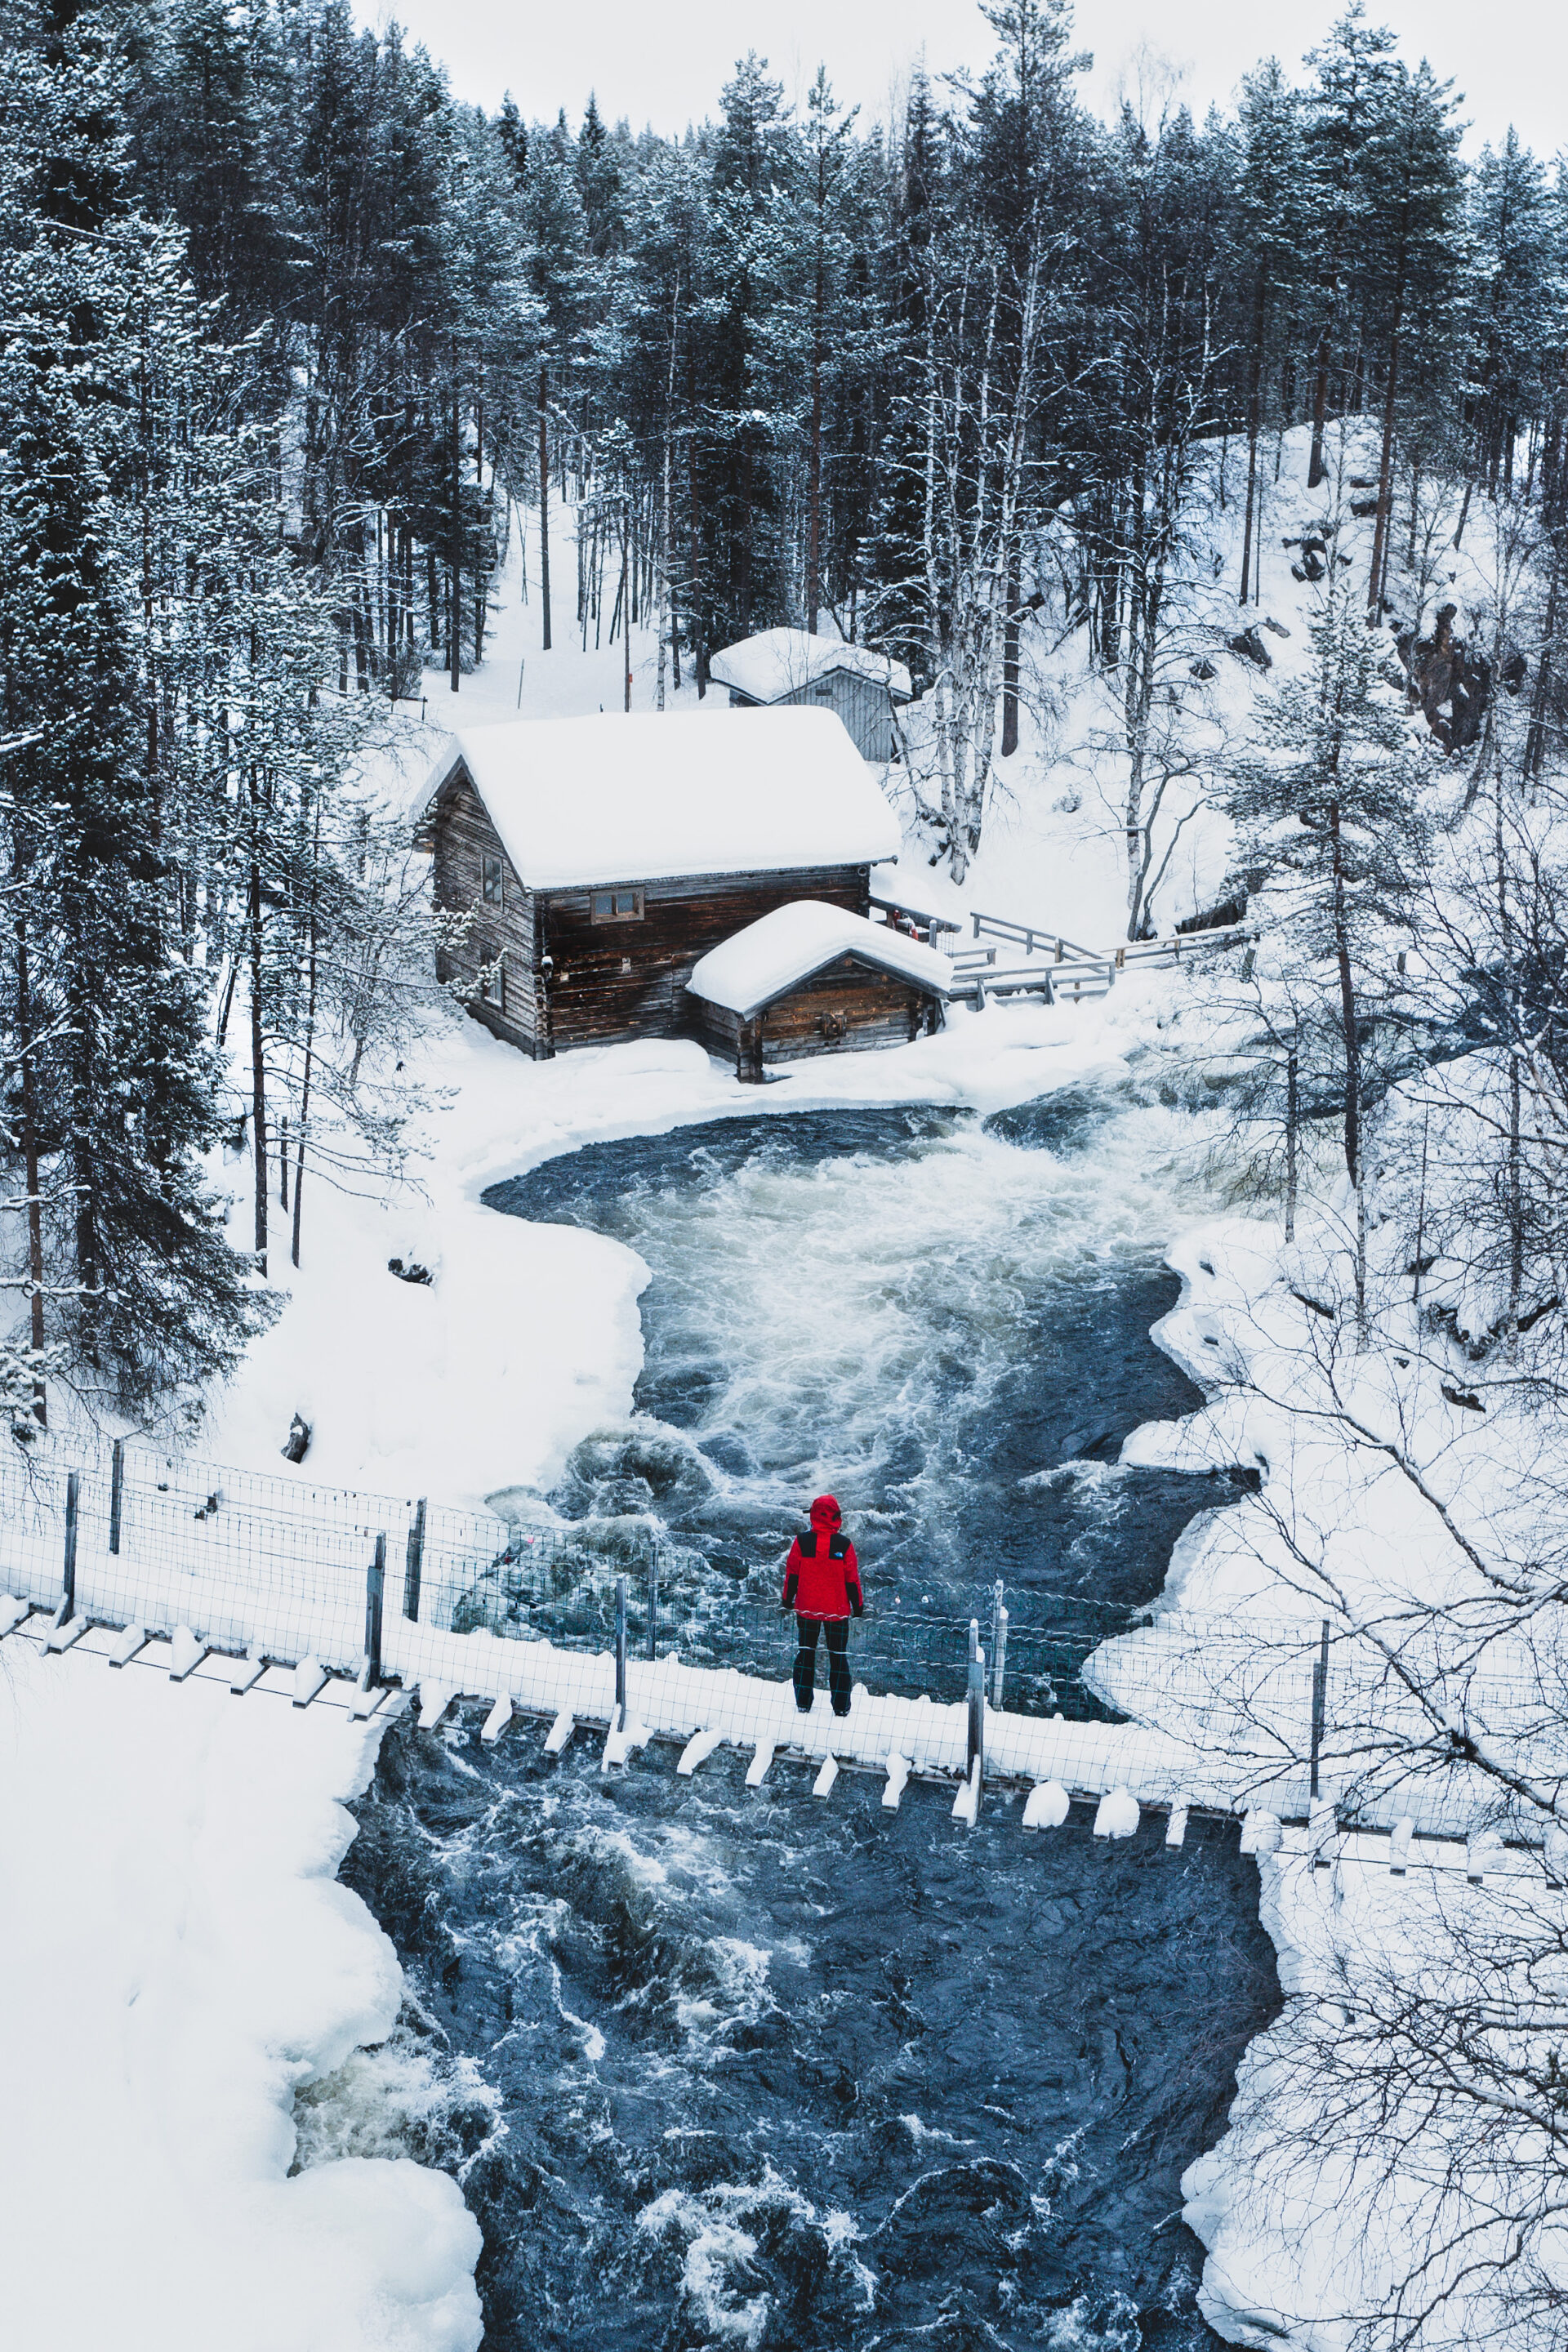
[(998, 1643), (620, 1723), (652, 1601), (374, 1597), (414, 1566), (66, 1609), (975, 1768), (116, 1493)]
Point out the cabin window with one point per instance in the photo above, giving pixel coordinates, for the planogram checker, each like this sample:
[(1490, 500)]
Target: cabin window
[(617, 905), (492, 975), (490, 881), (823, 691)]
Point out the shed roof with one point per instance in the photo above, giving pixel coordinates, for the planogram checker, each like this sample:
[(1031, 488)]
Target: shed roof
[(658, 795), (777, 662), (779, 950)]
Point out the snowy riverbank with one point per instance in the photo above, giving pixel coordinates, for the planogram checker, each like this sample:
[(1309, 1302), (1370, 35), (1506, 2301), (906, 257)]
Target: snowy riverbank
[(179, 1961)]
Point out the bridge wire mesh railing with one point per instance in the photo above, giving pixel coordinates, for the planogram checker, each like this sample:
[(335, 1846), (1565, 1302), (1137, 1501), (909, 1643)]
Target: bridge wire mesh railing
[(277, 1567), (261, 1564)]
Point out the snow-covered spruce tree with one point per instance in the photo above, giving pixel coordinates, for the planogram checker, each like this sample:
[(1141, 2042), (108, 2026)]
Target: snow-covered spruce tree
[(1148, 399), (144, 1290), (1332, 822), (1266, 248), (991, 279)]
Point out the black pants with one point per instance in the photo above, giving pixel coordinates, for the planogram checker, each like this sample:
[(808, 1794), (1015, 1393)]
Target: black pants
[(836, 1631)]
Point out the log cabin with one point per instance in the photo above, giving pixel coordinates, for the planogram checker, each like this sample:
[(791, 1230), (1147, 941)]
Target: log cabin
[(791, 668), (811, 978), (582, 867)]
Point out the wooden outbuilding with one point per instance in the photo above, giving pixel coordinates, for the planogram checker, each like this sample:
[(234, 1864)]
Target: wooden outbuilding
[(814, 979), (582, 867), (790, 667)]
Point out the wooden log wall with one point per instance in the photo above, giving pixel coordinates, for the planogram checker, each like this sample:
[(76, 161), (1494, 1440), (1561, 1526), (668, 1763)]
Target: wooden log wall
[(463, 836), (850, 1007), (610, 981)]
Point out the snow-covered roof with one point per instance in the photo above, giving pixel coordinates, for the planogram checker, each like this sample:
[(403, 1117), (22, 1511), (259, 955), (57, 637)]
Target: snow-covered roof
[(777, 662), (657, 795), (783, 949)]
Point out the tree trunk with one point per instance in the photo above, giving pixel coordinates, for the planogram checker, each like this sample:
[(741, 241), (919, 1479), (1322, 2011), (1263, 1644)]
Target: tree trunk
[(309, 1031), (257, 1059), (1384, 475), (694, 540), (454, 554), (30, 1168), (743, 566), (1347, 1001), (626, 614), (1292, 1127), (1010, 658), (814, 520), (544, 504), (1316, 469), (1253, 391)]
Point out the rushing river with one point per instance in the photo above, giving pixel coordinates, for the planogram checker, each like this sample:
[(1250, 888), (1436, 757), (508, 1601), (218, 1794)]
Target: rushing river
[(764, 2070)]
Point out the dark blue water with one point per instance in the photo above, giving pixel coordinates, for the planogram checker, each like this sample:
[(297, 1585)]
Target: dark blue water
[(942, 1321), (781, 2072)]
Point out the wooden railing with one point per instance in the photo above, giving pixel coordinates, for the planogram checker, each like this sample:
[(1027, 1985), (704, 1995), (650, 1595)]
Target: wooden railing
[(1072, 972)]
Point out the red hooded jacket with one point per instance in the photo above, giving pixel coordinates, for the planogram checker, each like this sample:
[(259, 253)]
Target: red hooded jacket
[(822, 1575)]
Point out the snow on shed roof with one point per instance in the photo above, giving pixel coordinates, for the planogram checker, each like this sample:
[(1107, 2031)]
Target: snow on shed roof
[(777, 662), (656, 796), (779, 950)]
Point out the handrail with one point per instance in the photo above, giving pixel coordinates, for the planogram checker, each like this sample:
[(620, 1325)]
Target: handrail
[(1069, 959), (1000, 927), (919, 916)]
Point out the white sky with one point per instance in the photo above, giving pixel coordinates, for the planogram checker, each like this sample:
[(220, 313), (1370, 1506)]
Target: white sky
[(664, 64)]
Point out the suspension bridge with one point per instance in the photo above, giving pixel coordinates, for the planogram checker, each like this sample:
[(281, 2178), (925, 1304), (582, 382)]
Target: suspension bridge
[(379, 1607)]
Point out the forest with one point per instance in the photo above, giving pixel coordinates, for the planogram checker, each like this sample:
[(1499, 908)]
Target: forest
[(290, 341)]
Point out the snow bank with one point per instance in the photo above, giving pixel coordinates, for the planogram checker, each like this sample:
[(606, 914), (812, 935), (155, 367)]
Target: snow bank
[(188, 1963), (787, 946), (653, 797), (1342, 2193), (776, 662), (1328, 2182)]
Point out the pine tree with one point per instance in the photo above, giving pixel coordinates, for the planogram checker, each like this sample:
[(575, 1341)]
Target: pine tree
[(1268, 238), (1328, 809), (1413, 168), (1349, 108)]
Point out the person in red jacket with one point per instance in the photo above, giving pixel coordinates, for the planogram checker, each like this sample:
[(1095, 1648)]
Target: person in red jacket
[(822, 1585)]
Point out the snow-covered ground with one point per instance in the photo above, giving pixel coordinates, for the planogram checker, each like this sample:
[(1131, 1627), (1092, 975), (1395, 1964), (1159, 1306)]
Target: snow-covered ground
[(177, 1961)]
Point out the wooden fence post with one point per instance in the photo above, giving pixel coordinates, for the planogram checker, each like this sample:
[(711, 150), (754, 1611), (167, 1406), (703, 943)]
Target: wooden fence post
[(620, 1723), (415, 1565), (66, 1609), (116, 1493), (375, 1595)]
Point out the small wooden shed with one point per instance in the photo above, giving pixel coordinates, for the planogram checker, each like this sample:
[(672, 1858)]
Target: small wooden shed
[(584, 866), (814, 979), (779, 667)]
